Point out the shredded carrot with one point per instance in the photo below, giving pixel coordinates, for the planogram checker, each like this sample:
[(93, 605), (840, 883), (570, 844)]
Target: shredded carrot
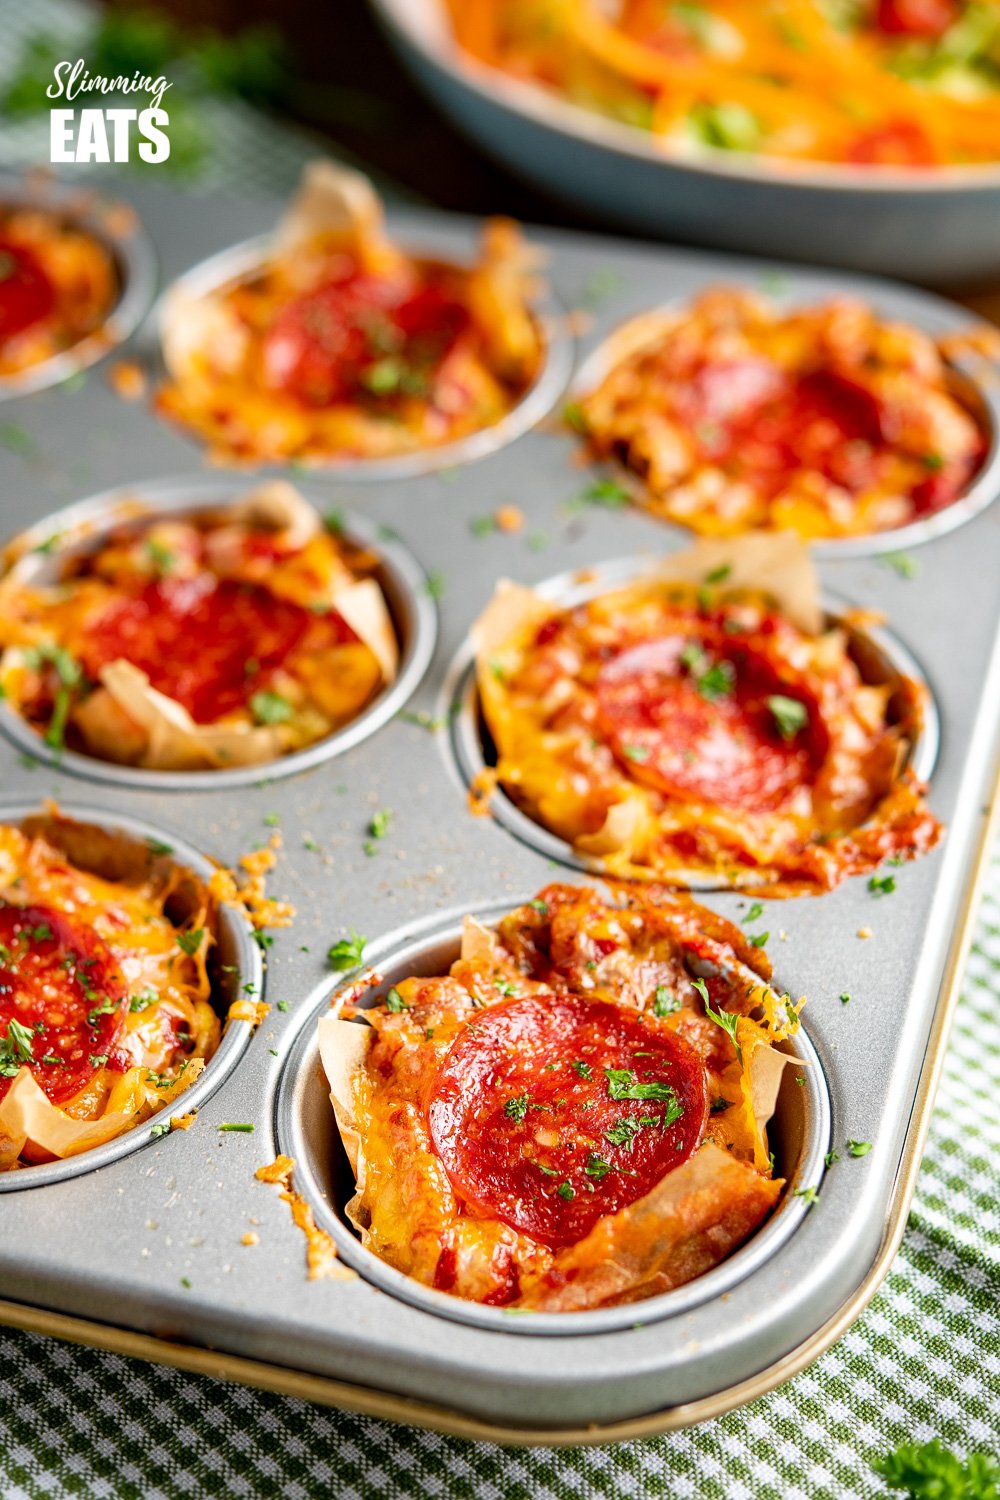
[(788, 79)]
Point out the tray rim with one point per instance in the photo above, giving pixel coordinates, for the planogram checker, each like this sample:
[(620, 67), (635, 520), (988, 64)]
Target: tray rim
[(367, 1401)]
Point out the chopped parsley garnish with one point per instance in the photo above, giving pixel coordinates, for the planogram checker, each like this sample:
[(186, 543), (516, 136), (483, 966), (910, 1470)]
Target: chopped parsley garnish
[(272, 819), (566, 1190), (717, 682), (606, 492), (664, 1003), (720, 1105), (723, 1018), (623, 1132), (434, 585), (98, 1059), (106, 1008), (574, 416), (720, 574), (831, 1157), (156, 846), (348, 953), (270, 708), (758, 939), (637, 753), (163, 1128), (160, 555), (789, 715), (881, 885), (16, 1048), (623, 1084), (395, 1002), (334, 521), (756, 910), (379, 825), (281, 1005), (190, 942), (810, 1194), (845, 997), (541, 907), (859, 1148), (264, 940), (902, 564), (584, 1069), (516, 1108), (240, 1129), (504, 987), (597, 1167)]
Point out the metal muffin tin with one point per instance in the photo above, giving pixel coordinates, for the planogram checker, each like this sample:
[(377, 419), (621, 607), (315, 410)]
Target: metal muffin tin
[(165, 1275), (134, 260)]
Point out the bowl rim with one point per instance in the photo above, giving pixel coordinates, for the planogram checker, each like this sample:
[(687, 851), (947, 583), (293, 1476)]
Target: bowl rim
[(572, 121)]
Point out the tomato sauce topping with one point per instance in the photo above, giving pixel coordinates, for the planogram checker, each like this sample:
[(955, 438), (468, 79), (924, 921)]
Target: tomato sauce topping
[(362, 335), (62, 999), (714, 725), (26, 293), (553, 1111), (208, 643)]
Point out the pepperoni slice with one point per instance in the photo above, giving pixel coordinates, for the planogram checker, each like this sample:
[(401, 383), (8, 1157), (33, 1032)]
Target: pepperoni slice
[(62, 998), (764, 425), (208, 643), (26, 293), (361, 334), (706, 730), (553, 1111)]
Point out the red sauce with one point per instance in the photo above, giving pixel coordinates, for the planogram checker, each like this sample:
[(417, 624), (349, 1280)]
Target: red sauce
[(208, 643), (55, 976), (362, 335), (26, 293), (522, 1111), (669, 727)]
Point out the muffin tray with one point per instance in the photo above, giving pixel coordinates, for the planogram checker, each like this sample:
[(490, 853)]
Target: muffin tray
[(138, 1247)]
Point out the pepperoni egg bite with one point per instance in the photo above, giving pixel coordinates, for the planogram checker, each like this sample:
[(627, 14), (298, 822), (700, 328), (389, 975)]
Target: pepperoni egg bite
[(214, 638), (340, 346), (58, 285), (575, 1115), (704, 722), (106, 989), (737, 415)]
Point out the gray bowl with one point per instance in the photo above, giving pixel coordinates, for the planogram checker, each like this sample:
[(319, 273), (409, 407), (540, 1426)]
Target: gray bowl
[(933, 225)]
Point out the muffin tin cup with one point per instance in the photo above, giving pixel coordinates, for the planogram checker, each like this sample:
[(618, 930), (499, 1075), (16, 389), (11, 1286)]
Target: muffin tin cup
[(135, 261), (880, 655), (400, 575), (973, 381), (536, 402), (236, 947), (306, 1131)]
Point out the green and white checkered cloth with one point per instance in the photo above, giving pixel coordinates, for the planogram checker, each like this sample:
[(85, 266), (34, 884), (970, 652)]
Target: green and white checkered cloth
[(923, 1361)]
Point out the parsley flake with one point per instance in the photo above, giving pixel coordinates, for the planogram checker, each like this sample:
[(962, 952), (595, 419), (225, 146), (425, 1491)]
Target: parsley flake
[(348, 953), (516, 1108), (789, 715)]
